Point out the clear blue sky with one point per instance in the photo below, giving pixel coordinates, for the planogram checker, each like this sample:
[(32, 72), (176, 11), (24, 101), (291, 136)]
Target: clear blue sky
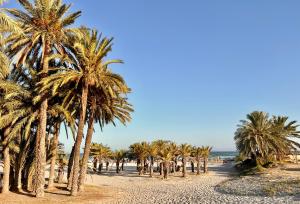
[(197, 67)]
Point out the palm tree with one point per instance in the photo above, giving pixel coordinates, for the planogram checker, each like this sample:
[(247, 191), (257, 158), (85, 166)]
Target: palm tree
[(184, 152), (105, 110), (160, 145), (100, 152), (205, 151), (174, 153), (140, 150), (90, 72), (197, 153), (21, 115), (261, 138), (152, 151), (285, 131), (8, 25), (118, 156), (253, 135), (166, 156), (45, 28)]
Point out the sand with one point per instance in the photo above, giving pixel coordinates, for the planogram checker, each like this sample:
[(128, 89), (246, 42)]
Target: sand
[(131, 188)]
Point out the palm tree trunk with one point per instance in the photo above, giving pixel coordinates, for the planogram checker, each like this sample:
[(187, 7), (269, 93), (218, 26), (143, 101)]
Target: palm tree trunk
[(122, 166), (18, 177), (30, 177), (79, 139), (198, 166), (141, 167), (151, 167), (95, 162), (193, 166), (165, 169), (107, 164), (6, 168), (70, 168), (183, 167), (205, 165), (161, 168), (40, 149), (100, 166), (117, 166), (54, 155), (87, 146)]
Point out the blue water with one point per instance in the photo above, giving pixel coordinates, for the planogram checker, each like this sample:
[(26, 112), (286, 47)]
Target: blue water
[(224, 155)]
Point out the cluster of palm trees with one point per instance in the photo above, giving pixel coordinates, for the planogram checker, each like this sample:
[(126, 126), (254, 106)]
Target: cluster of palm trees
[(52, 75), (265, 139), (162, 152)]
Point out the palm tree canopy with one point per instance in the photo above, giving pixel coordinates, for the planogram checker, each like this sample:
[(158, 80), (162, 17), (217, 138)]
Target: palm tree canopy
[(259, 136)]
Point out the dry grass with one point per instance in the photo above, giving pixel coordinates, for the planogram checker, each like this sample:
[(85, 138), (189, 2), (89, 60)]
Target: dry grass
[(60, 194)]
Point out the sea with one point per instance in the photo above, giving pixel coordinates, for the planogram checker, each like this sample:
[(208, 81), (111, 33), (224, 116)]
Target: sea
[(224, 154)]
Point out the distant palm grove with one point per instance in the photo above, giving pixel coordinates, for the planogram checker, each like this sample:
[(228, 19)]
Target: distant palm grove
[(52, 75), (165, 154), (262, 141)]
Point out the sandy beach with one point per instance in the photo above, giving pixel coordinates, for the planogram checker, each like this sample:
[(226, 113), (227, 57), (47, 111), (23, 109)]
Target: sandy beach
[(131, 188)]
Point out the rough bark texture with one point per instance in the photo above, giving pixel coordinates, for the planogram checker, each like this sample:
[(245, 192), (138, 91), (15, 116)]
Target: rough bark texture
[(60, 174), (174, 167), (30, 175), (205, 165), (183, 167), (79, 139), (118, 166), (193, 166), (151, 167), (198, 166), (70, 162), (107, 164), (100, 166), (18, 178), (70, 180), (161, 168), (165, 169), (70, 169), (6, 168), (54, 155), (40, 149), (122, 166), (87, 146), (95, 162)]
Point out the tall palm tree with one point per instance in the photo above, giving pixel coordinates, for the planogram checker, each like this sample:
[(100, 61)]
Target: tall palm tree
[(21, 114), (45, 27), (205, 151), (89, 72), (166, 156), (8, 25), (197, 152), (152, 151), (184, 152), (118, 156), (104, 110), (174, 153), (100, 152), (140, 150), (160, 145)]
